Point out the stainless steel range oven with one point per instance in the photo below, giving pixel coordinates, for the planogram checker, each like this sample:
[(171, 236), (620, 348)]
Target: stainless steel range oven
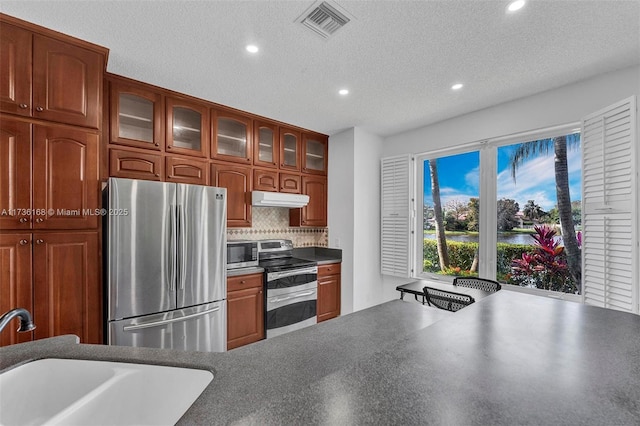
[(291, 288)]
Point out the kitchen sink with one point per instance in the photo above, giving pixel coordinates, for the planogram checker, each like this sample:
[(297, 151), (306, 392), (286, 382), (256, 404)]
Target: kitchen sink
[(82, 392)]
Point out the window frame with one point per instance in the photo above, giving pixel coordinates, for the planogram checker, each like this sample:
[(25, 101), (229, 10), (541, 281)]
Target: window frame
[(488, 210)]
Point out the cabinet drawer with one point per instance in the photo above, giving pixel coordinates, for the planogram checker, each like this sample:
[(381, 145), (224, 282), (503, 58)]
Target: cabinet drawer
[(330, 269), (241, 282)]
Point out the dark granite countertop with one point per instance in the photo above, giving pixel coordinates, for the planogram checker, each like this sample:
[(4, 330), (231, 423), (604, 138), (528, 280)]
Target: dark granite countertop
[(508, 359), (244, 271), (322, 255)]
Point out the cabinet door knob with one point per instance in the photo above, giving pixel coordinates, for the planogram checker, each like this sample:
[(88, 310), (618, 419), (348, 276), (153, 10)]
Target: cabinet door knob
[(24, 242), (39, 241), (157, 174), (23, 106), (169, 147), (24, 220), (156, 144), (242, 282), (39, 109), (39, 220)]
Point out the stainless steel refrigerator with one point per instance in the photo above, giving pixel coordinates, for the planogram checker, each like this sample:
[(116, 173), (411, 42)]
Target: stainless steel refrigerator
[(166, 265)]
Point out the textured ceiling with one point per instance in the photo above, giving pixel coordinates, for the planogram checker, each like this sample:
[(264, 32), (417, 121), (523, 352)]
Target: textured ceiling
[(398, 58)]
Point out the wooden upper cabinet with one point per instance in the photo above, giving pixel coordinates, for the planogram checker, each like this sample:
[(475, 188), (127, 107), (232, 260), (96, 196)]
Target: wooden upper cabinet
[(65, 186), (67, 290), (289, 149), (187, 127), (266, 144), (289, 183), (135, 165), (232, 136), (67, 82), (187, 170), (265, 180), (48, 78), (15, 283), (137, 116), (15, 70), (314, 213), (15, 174), (314, 153), (237, 180)]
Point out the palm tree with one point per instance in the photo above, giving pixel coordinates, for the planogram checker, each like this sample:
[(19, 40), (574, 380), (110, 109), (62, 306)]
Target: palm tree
[(532, 211), (443, 254), (543, 146)]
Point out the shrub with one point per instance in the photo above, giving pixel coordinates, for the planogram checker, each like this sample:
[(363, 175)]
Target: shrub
[(461, 256)]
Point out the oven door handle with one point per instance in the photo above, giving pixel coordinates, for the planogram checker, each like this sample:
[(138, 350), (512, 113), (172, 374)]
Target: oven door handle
[(272, 276), (282, 299)]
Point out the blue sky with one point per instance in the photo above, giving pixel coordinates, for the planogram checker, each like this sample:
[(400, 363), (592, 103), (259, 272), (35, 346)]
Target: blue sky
[(535, 180)]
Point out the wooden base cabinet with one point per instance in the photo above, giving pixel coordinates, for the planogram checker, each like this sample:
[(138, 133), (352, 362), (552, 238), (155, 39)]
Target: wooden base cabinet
[(245, 310), (55, 276), (16, 290), (67, 291), (328, 291)]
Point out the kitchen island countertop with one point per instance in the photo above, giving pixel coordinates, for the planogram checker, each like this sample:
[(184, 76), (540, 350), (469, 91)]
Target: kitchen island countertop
[(508, 359)]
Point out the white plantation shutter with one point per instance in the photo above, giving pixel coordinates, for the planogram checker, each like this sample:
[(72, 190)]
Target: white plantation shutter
[(610, 208), (397, 176)]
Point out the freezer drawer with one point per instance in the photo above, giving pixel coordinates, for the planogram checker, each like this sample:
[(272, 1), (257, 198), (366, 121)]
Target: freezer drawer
[(198, 328)]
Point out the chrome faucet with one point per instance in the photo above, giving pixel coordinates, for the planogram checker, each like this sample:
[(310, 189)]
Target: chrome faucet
[(26, 322)]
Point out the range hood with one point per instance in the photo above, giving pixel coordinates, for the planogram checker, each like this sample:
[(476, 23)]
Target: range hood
[(278, 199)]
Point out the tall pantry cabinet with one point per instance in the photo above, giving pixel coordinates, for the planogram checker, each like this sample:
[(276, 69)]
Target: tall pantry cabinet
[(50, 124)]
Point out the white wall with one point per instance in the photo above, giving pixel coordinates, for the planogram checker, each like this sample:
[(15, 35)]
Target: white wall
[(368, 289), (354, 225), (554, 107), (341, 208)]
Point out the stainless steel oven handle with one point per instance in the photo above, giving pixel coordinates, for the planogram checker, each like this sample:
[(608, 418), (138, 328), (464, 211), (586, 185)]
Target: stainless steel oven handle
[(282, 299), (301, 271), (168, 321)]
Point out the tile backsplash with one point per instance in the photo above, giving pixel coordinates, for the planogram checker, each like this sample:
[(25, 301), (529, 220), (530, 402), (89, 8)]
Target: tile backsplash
[(273, 223)]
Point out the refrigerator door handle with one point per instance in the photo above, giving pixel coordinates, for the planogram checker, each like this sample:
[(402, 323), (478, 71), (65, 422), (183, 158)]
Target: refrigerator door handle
[(183, 245), (172, 252), (168, 321)]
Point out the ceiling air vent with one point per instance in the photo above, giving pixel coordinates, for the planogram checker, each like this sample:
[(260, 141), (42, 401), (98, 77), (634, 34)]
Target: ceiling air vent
[(324, 19)]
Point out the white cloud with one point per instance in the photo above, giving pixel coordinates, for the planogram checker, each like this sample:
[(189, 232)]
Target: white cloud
[(535, 180)]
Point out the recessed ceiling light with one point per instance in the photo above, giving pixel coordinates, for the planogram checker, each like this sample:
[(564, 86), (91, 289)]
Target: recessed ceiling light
[(516, 5), (343, 92), (252, 48), (457, 86)]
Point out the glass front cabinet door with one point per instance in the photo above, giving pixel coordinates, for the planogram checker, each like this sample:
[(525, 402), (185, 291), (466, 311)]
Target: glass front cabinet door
[(187, 127), (136, 116), (265, 151), (314, 155), (231, 137), (289, 149)]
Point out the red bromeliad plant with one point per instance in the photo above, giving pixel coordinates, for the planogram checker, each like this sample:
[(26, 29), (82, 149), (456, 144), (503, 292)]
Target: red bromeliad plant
[(546, 267)]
